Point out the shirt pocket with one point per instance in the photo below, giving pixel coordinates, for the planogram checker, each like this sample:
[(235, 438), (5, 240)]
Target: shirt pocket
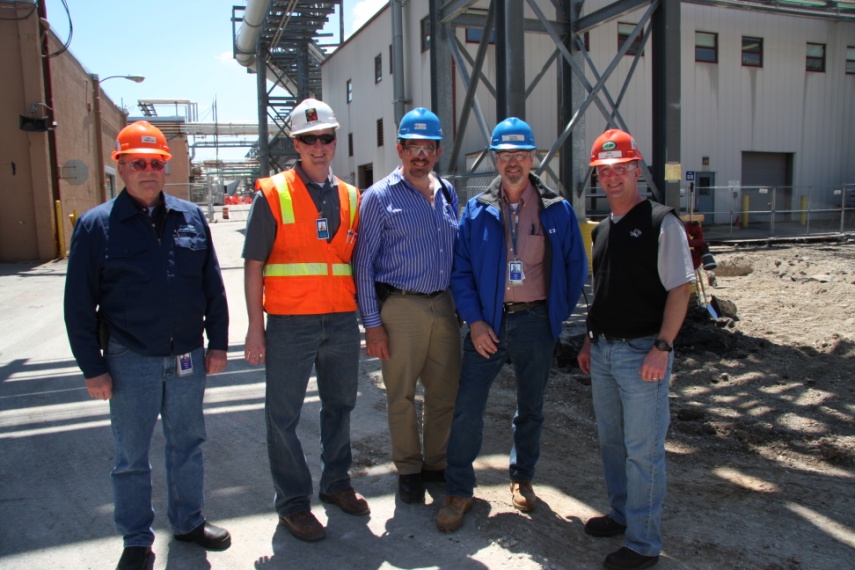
[(535, 249), (191, 250), (128, 263)]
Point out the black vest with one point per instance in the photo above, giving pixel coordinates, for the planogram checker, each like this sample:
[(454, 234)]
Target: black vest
[(629, 299)]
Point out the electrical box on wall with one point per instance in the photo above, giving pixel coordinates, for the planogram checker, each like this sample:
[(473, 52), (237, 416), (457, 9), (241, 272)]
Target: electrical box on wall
[(35, 124)]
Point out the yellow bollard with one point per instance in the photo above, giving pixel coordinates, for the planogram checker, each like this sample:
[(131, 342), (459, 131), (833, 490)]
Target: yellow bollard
[(744, 220), (60, 232), (587, 227), (73, 217)]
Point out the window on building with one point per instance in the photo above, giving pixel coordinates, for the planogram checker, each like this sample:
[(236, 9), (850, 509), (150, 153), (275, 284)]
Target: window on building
[(425, 33), (624, 31), (380, 132), (474, 35), (349, 91), (850, 60), (752, 51), (349, 144), (706, 47), (378, 68), (816, 57)]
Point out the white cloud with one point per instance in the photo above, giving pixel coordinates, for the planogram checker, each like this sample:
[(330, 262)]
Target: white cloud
[(362, 12)]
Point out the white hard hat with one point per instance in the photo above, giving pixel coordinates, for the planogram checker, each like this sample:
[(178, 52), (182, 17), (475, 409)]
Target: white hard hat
[(312, 115)]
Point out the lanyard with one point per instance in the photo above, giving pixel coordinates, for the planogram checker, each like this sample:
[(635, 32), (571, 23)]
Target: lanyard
[(514, 223)]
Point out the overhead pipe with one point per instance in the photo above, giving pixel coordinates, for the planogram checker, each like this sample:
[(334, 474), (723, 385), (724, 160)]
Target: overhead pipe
[(247, 36)]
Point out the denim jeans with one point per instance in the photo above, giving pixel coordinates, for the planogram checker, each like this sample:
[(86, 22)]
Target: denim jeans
[(296, 343), (143, 388), (632, 421), (526, 338)]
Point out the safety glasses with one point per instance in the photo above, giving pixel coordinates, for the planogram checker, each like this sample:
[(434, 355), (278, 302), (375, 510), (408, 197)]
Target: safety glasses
[(518, 156), (416, 150), (139, 165), (618, 169), (312, 139)]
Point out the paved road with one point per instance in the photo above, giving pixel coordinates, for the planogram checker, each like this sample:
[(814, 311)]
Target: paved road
[(55, 498)]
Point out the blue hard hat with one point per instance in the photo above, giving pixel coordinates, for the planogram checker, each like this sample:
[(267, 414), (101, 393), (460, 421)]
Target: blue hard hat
[(512, 134), (420, 123)]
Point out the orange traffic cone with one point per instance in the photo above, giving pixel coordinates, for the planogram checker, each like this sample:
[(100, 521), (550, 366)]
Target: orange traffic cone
[(225, 212)]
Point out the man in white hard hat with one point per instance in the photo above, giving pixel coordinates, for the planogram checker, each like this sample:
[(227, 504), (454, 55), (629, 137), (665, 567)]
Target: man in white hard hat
[(403, 261), (300, 237)]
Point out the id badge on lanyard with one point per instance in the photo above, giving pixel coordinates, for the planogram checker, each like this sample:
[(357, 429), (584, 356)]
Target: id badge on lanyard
[(322, 228)]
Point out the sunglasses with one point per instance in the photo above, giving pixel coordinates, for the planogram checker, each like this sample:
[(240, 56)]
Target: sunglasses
[(416, 150), (139, 165), (312, 139)]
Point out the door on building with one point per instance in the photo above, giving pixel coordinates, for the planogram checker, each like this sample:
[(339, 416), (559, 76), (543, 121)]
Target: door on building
[(771, 175), (704, 193), (365, 176)]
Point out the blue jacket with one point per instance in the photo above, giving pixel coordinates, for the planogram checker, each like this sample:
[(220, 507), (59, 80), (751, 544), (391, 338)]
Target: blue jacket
[(155, 296), (478, 277)]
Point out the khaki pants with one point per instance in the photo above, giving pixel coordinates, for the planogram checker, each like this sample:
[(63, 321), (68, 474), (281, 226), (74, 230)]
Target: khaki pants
[(424, 344)]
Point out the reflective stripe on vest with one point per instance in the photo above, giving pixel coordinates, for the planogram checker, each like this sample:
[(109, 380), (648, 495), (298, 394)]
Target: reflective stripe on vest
[(306, 269), (286, 204)]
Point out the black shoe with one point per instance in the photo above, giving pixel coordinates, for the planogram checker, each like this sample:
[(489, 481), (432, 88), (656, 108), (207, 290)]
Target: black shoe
[(709, 261), (207, 536), (134, 558), (603, 526), (433, 475), (626, 559), (411, 488)]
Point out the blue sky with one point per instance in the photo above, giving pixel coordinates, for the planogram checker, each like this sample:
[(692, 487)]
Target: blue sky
[(183, 48)]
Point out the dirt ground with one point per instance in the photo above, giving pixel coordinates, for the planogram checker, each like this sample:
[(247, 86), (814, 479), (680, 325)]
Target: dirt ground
[(761, 450)]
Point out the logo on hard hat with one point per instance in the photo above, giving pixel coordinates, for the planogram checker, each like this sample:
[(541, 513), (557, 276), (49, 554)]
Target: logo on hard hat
[(420, 126), (311, 115), (610, 154), (513, 138), (148, 139), (609, 145)]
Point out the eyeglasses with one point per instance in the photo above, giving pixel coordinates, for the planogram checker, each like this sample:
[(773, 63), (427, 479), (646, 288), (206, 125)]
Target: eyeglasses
[(312, 139), (518, 156), (619, 170), (416, 150), (139, 165)]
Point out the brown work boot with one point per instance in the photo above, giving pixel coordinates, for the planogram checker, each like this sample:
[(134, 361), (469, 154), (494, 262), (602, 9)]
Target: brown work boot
[(450, 516), (347, 500), (523, 496), (304, 526)]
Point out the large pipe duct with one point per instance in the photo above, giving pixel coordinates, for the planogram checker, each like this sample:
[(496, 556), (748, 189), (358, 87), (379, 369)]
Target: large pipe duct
[(247, 36)]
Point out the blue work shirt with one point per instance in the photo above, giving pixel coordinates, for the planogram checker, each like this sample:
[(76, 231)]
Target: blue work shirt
[(156, 294), (403, 241)]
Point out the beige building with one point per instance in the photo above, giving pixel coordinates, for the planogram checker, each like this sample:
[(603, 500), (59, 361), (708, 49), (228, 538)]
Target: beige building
[(57, 130)]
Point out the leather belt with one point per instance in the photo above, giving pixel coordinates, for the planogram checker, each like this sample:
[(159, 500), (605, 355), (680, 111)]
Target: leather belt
[(512, 308), (396, 291)]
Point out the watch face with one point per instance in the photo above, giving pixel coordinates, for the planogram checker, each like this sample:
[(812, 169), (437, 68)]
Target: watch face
[(662, 345)]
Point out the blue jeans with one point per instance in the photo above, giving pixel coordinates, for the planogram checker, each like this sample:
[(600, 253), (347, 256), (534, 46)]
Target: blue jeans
[(632, 421), (296, 343), (526, 338), (143, 388)]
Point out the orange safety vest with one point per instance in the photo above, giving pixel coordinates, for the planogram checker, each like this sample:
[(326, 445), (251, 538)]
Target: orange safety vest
[(305, 275)]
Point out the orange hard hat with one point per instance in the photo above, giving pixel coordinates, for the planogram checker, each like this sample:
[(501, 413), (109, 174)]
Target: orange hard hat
[(613, 147), (141, 138)]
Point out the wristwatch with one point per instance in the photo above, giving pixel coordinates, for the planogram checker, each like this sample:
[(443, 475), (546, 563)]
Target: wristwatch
[(662, 344)]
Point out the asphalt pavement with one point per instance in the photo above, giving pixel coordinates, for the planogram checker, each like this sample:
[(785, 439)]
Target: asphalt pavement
[(57, 452)]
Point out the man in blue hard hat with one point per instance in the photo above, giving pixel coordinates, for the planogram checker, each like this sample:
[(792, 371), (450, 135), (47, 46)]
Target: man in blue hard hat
[(519, 268), (403, 266)]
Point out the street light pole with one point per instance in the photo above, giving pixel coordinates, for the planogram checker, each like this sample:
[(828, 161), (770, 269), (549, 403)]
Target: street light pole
[(99, 142)]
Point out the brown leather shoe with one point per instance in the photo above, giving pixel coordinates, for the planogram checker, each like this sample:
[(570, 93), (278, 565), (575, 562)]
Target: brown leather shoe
[(348, 500), (523, 496), (304, 525), (450, 516)]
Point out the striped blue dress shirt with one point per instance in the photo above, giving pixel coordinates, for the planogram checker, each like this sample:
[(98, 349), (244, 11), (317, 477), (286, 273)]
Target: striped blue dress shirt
[(403, 241)]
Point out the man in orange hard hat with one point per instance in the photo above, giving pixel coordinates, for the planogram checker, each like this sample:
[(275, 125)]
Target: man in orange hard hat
[(300, 237), (143, 286), (642, 282)]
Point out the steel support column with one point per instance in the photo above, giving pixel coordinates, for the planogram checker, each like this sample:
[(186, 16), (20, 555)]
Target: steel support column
[(666, 102), (261, 89), (442, 80)]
